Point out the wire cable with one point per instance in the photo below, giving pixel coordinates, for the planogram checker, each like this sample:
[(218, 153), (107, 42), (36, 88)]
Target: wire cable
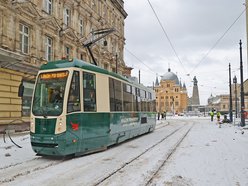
[(167, 37), (217, 42), (139, 60)]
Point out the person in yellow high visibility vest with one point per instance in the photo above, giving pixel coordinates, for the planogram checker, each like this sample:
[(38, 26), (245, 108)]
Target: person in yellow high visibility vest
[(218, 118), (212, 115)]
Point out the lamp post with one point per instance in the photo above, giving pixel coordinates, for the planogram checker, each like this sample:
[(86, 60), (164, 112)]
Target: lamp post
[(242, 99), (173, 107), (230, 99), (235, 92)]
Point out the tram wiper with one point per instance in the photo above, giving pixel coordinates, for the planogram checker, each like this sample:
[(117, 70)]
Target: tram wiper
[(44, 113)]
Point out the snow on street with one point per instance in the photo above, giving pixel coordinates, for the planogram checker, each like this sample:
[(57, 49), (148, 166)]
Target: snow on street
[(181, 151)]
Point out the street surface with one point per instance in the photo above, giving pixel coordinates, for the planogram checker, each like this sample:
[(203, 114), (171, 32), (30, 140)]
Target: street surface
[(181, 151)]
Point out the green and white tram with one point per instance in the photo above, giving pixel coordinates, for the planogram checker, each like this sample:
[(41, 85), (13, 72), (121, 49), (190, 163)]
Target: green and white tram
[(79, 108)]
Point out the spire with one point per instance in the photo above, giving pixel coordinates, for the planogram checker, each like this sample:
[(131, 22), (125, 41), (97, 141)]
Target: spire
[(157, 83), (184, 86)]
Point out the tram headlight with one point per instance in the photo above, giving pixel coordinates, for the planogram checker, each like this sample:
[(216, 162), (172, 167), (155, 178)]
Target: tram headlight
[(60, 126), (32, 125)]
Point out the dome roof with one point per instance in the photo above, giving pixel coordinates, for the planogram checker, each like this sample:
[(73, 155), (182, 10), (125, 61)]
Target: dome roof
[(170, 76)]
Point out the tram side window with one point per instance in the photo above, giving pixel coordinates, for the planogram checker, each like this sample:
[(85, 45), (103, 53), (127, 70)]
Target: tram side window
[(127, 97), (115, 91), (74, 94), (152, 103), (149, 99), (89, 84), (143, 100), (138, 100)]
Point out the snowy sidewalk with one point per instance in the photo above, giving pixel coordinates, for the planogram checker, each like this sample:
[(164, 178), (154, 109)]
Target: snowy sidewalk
[(210, 156)]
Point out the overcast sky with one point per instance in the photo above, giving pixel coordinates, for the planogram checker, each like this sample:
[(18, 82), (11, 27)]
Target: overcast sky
[(193, 27)]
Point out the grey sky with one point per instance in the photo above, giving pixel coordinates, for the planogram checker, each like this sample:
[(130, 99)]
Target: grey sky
[(193, 27)]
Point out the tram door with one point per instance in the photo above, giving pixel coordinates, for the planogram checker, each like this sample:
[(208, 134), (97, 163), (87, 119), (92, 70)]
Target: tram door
[(74, 123)]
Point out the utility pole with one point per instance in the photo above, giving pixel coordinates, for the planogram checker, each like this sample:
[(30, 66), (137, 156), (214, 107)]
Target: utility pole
[(242, 99), (116, 63), (230, 98)]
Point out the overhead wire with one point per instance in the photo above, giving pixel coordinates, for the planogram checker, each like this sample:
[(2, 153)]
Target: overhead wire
[(139, 60), (167, 36), (173, 48), (217, 42)]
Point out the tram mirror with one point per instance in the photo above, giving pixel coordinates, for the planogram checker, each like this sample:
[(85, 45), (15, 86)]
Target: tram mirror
[(21, 90)]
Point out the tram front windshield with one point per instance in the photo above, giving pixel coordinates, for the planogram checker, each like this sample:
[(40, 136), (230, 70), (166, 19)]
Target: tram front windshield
[(49, 93)]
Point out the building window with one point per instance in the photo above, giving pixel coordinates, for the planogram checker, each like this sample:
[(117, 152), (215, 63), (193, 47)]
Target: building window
[(81, 27), (106, 66), (82, 57), (93, 3), (24, 38), (67, 16), (48, 48), (67, 52), (48, 6)]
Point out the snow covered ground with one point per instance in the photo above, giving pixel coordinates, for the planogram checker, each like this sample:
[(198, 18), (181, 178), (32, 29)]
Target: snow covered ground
[(206, 155)]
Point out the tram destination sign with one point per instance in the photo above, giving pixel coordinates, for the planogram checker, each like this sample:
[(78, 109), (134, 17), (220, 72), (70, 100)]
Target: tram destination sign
[(54, 75)]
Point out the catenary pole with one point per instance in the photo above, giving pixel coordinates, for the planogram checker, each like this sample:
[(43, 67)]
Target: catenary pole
[(242, 100)]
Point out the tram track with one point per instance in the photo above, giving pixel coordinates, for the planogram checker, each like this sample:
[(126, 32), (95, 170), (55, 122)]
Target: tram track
[(161, 125), (12, 172), (149, 182), (104, 181)]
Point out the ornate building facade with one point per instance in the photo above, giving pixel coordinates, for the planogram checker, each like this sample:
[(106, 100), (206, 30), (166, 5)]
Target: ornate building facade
[(35, 31), (171, 96)]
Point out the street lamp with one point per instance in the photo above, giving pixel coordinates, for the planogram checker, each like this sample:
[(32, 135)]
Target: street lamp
[(230, 99), (235, 92)]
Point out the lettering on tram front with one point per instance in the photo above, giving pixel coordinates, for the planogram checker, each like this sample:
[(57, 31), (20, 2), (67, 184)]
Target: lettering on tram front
[(54, 75)]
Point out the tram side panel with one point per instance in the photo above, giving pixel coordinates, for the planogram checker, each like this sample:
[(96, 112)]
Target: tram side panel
[(126, 118), (95, 118)]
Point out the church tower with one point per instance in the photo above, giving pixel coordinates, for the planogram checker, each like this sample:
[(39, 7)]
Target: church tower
[(195, 97)]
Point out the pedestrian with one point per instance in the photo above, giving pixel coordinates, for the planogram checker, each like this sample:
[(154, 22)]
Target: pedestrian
[(212, 115), (158, 115), (165, 115), (218, 119)]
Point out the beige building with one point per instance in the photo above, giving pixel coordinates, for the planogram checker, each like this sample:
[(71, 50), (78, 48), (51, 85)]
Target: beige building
[(171, 96), (222, 102), (35, 31)]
